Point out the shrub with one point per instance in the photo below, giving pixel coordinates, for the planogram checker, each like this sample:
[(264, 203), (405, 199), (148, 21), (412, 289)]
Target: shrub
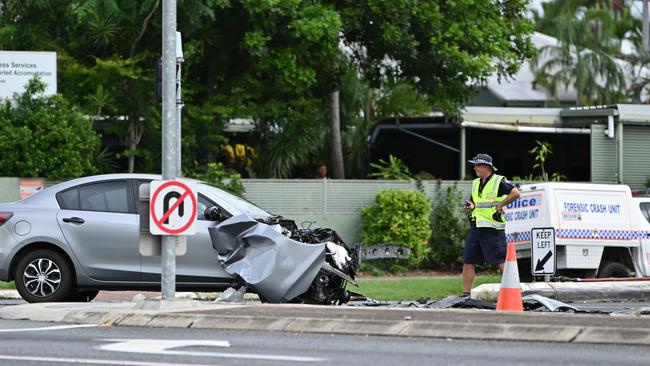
[(398, 217), (45, 136), (450, 228), (219, 176), (393, 169)]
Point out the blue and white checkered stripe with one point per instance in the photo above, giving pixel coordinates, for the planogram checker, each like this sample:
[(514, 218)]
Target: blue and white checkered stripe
[(524, 236), (601, 234), (518, 237)]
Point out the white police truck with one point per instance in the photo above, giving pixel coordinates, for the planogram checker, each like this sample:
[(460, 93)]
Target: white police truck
[(601, 230)]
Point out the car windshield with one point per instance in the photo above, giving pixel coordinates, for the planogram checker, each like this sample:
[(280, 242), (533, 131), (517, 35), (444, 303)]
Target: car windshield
[(233, 204)]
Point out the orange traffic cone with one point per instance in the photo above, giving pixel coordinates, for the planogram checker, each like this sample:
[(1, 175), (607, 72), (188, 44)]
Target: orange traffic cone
[(510, 292)]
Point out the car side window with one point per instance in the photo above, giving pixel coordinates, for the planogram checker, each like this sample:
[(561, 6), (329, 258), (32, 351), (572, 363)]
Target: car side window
[(202, 204), (106, 197), (645, 209), (69, 200)]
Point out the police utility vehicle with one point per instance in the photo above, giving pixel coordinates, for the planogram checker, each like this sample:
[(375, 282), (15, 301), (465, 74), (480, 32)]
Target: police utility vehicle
[(601, 230)]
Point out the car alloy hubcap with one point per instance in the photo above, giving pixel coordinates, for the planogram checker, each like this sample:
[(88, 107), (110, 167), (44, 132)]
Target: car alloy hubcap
[(42, 277)]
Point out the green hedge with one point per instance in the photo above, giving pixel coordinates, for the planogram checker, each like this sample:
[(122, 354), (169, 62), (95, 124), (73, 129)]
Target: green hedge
[(398, 217)]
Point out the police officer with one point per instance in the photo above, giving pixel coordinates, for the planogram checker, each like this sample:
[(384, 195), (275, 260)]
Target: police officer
[(486, 242)]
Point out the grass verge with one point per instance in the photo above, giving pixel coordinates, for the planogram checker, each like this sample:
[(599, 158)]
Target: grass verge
[(406, 288), (7, 285)]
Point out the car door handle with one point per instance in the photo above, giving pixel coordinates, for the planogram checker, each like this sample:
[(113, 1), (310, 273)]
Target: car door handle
[(74, 220)]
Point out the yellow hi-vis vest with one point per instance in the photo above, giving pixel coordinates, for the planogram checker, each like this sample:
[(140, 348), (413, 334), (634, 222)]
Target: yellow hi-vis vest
[(486, 202)]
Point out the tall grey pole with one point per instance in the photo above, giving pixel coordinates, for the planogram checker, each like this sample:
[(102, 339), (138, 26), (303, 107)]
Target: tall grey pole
[(646, 28), (463, 153), (170, 147), (179, 105)]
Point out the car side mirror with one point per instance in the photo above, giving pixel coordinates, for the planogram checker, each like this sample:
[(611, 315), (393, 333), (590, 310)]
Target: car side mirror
[(213, 213)]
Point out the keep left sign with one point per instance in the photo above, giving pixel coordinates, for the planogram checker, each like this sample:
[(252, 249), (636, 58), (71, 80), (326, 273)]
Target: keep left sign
[(172, 208)]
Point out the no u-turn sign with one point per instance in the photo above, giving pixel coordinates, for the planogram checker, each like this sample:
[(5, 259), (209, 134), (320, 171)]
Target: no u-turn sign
[(172, 208)]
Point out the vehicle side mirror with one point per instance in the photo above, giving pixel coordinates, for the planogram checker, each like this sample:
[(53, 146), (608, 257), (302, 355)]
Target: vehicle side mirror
[(213, 213)]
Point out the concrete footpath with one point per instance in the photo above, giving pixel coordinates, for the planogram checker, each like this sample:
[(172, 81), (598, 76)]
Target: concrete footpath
[(378, 321)]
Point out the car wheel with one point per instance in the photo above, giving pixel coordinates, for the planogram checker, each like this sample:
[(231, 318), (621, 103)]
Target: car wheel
[(82, 296), (43, 276), (613, 269)]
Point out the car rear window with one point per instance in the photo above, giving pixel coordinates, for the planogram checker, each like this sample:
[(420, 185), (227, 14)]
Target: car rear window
[(107, 197), (69, 200)]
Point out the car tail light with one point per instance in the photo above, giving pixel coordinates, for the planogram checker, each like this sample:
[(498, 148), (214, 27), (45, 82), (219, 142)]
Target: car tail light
[(4, 216)]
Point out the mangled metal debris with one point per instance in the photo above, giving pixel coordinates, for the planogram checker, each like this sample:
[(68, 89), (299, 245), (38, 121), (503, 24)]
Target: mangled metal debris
[(535, 302), (283, 263), (462, 302)]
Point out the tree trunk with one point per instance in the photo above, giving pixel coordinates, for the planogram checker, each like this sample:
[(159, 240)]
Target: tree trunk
[(131, 160), (338, 170)]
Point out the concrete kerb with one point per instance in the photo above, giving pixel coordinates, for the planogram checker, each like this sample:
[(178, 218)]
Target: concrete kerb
[(9, 294), (425, 329), (573, 291), (452, 323)]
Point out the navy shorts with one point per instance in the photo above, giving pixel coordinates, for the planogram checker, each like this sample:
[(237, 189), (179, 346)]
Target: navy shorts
[(485, 246)]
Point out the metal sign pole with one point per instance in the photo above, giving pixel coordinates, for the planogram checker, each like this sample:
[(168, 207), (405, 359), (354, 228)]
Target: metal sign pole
[(179, 103), (170, 147)]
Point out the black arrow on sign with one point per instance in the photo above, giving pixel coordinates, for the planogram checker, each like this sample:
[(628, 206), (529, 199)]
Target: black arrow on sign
[(542, 262)]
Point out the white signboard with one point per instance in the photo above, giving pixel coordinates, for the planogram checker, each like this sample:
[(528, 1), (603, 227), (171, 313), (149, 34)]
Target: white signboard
[(543, 258), (172, 209), (18, 67)]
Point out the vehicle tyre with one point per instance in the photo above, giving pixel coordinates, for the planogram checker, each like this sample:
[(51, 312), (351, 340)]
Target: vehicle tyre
[(613, 269), (43, 276), (82, 296)]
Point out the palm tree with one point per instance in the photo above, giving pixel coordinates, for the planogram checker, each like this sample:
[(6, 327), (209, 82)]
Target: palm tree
[(582, 59), (363, 105)]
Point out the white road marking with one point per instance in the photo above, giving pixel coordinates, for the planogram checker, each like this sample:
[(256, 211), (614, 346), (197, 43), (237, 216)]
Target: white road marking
[(162, 347), (56, 327), (85, 361), (155, 345)]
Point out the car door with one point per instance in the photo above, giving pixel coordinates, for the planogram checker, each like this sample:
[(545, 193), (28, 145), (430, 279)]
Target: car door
[(199, 264), (100, 224)]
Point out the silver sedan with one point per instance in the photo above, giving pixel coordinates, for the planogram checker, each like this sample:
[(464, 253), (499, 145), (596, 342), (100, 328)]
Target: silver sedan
[(71, 240)]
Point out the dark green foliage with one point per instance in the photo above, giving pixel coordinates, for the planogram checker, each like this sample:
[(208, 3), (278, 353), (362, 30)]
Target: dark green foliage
[(450, 228), (45, 137), (393, 169), (219, 176), (445, 48), (398, 217), (274, 62)]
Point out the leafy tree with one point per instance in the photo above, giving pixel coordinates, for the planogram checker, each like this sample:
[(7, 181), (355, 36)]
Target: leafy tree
[(106, 56), (275, 62), (45, 136), (269, 61), (444, 48), (363, 105)]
